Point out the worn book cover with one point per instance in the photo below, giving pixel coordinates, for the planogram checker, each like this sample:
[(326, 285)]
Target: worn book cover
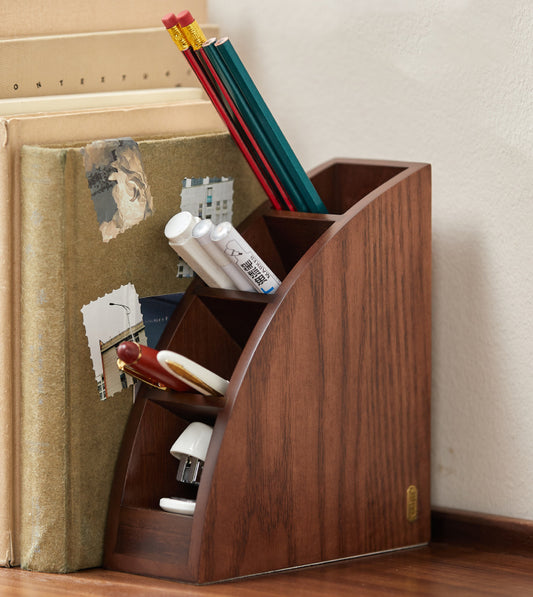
[(144, 121), (93, 249), (52, 17)]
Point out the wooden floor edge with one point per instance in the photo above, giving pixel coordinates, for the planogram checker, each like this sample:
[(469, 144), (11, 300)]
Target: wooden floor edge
[(476, 529)]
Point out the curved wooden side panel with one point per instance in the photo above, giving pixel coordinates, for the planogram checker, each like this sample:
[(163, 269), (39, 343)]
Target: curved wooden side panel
[(330, 424), (321, 449)]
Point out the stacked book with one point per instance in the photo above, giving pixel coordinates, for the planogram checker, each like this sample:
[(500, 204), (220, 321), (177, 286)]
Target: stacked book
[(95, 72)]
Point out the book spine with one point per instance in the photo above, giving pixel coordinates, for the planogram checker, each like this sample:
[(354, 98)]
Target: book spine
[(8, 557), (44, 407)]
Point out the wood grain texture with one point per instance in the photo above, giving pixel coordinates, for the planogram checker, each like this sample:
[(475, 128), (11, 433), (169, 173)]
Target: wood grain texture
[(326, 419), (438, 570), (333, 391), (343, 182)]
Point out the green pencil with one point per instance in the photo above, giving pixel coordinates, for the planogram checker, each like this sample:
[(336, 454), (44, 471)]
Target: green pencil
[(292, 172), (284, 175)]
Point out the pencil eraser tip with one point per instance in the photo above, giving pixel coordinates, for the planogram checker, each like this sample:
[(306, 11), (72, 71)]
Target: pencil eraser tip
[(170, 20), (128, 352), (184, 18)]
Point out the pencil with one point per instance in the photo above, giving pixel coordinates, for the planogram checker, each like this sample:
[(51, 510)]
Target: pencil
[(196, 38), (171, 23), (253, 123), (245, 119), (242, 80)]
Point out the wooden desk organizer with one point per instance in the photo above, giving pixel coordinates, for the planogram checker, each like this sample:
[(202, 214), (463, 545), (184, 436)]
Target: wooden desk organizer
[(320, 449)]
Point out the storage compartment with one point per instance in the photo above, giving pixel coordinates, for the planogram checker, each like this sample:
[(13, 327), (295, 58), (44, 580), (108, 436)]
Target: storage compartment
[(343, 183), (195, 332), (152, 470), (320, 447)]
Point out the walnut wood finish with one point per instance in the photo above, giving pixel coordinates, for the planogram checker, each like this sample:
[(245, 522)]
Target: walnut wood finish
[(437, 570), (499, 564), (326, 419)]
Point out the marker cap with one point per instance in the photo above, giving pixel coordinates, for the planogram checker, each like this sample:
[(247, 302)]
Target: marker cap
[(194, 441), (179, 228), (221, 231), (129, 352), (202, 228)]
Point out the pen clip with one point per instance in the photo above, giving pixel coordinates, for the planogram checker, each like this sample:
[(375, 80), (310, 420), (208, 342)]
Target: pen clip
[(140, 376)]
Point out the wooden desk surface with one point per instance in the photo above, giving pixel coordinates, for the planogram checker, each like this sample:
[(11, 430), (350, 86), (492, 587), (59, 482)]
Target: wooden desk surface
[(437, 570)]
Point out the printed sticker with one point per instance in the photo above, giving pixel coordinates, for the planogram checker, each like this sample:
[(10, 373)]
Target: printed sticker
[(110, 320), (208, 198), (119, 187)]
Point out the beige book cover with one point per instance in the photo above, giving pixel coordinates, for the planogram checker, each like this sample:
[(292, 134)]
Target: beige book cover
[(93, 62), (140, 122), (47, 17), (94, 101), (93, 244)]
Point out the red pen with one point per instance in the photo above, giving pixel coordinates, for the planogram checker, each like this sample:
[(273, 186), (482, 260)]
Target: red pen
[(140, 362)]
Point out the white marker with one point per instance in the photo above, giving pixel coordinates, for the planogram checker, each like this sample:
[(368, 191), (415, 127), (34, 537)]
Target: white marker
[(179, 233), (233, 245), (202, 233)]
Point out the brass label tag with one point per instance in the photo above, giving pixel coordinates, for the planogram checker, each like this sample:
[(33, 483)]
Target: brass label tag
[(412, 503)]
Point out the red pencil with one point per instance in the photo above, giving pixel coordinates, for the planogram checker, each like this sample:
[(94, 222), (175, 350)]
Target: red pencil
[(194, 35), (271, 186), (235, 111)]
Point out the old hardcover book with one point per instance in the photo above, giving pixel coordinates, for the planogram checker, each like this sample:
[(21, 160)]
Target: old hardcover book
[(52, 17), (76, 255), (101, 61), (86, 50), (153, 119)]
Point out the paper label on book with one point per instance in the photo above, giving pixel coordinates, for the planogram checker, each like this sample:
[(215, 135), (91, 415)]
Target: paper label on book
[(208, 198), (117, 317), (110, 320), (118, 184)]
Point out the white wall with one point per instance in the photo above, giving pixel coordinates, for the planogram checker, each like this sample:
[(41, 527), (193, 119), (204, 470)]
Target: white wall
[(448, 82)]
